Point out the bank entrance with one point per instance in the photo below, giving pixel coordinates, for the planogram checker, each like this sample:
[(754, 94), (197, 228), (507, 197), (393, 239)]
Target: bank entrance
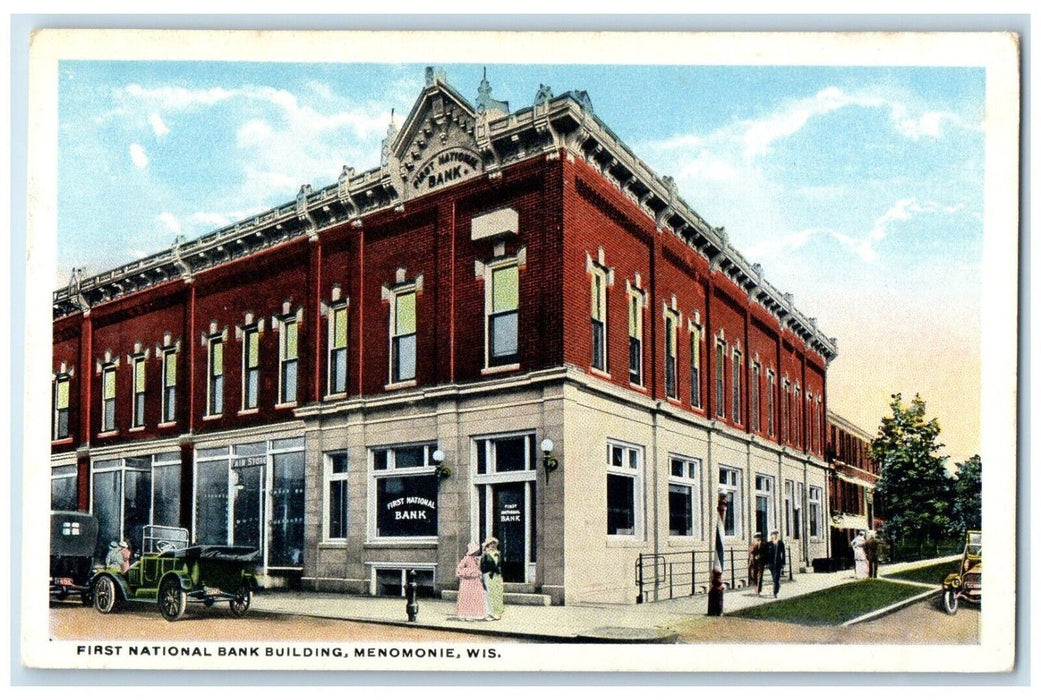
[(504, 480)]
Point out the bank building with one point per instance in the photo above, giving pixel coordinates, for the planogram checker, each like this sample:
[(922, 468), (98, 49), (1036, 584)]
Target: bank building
[(511, 327)]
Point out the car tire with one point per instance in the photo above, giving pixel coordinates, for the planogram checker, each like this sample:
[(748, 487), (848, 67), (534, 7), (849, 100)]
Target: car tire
[(950, 602), (172, 600), (106, 595), (243, 600)]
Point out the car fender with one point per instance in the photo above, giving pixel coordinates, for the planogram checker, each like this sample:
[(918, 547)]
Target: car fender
[(251, 581), (952, 582), (183, 579), (121, 582)]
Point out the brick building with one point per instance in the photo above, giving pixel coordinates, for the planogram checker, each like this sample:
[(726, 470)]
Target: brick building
[(851, 485), (511, 327)]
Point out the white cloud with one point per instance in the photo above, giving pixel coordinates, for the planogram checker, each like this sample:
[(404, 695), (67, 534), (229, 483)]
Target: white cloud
[(138, 156), (159, 127), (174, 98), (171, 222)]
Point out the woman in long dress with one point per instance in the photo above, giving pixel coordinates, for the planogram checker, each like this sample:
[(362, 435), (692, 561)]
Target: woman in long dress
[(860, 561), (492, 570), (471, 603)]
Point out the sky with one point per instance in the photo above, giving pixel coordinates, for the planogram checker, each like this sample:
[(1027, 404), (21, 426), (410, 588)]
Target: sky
[(858, 189)]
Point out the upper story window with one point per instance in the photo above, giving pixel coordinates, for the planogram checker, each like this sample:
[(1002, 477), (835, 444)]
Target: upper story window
[(600, 278), (672, 322), (721, 361), (771, 391), (215, 376), (735, 385), (250, 367), (502, 302), (796, 408), (753, 400), (786, 398), (137, 364), (695, 365), (288, 359), (624, 489), (637, 302), (168, 356), (62, 382), (403, 337), (108, 397), (338, 349)]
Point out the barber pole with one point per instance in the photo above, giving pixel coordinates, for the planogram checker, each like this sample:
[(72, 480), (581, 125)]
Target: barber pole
[(715, 589)]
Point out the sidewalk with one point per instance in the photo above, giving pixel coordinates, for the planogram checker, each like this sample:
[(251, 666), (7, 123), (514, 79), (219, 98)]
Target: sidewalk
[(648, 622)]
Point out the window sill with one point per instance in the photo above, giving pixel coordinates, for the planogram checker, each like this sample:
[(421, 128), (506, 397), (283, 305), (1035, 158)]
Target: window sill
[(171, 424), (283, 406), (136, 429), (501, 368), (213, 416), (638, 387), (248, 411), (600, 372), (674, 401), (108, 433), (403, 543), (62, 441), (335, 396), (333, 544), (399, 385)]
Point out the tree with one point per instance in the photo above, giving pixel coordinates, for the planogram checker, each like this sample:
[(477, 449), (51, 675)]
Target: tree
[(913, 485), (967, 513)]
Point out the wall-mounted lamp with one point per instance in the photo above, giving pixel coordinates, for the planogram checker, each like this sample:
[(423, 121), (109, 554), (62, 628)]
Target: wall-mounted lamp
[(440, 469), (549, 462)]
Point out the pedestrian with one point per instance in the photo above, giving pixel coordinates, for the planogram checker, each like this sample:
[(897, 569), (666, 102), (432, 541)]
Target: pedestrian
[(491, 568), (860, 562), (871, 552), (756, 563), (775, 558), (471, 603)]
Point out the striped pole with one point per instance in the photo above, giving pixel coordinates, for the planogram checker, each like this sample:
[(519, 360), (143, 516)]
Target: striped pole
[(715, 589)]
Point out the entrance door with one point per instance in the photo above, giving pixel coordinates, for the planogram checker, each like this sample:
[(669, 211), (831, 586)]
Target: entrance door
[(510, 525)]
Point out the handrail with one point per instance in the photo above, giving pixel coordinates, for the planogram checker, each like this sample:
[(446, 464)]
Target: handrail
[(679, 574)]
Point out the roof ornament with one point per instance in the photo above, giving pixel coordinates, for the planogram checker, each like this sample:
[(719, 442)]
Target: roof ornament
[(179, 261), (540, 117), (75, 284), (302, 212), (343, 187), (385, 148), (488, 105), (435, 75)]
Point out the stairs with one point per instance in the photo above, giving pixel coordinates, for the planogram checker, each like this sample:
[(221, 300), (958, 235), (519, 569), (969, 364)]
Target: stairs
[(513, 594)]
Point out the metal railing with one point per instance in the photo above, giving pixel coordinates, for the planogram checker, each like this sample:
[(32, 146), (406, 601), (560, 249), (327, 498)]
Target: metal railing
[(682, 574)]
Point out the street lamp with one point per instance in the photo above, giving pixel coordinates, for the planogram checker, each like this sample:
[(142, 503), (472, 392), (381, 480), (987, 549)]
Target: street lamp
[(549, 462)]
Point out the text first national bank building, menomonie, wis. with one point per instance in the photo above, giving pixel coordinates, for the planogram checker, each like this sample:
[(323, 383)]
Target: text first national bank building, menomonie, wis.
[(290, 382)]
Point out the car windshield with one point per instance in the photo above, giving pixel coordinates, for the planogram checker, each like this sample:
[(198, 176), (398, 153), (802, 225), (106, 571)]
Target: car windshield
[(974, 546)]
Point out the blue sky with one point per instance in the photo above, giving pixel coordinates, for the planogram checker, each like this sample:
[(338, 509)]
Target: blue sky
[(859, 189)]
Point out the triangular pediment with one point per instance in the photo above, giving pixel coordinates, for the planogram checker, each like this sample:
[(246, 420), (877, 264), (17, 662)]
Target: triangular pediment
[(436, 145)]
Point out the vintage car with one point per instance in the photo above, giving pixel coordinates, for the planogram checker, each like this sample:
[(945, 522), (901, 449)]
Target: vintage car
[(74, 536), (170, 573), (966, 584)]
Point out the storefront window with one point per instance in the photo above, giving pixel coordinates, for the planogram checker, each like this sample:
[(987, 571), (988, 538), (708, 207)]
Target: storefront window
[(287, 510), (63, 488), (405, 492), (132, 492)]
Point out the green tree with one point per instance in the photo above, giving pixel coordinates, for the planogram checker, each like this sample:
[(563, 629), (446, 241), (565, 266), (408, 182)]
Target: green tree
[(968, 490), (913, 485)]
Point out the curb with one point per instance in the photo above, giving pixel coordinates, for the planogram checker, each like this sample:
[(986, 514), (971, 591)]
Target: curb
[(882, 612)]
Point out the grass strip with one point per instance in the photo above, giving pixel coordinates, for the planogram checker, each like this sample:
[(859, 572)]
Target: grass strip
[(833, 606), (933, 573)]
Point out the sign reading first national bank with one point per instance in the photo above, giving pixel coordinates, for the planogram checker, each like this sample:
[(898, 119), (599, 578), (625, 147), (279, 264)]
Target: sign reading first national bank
[(445, 168)]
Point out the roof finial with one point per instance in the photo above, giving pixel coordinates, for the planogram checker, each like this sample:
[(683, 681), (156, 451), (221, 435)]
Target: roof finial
[(486, 104)]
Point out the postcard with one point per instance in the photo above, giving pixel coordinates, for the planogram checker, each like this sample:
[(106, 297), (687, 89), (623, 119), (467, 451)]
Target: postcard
[(487, 351)]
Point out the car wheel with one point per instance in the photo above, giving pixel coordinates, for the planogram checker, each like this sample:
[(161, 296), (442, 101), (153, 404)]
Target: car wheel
[(950, 602), (244, 598), (172, 600), (106, 596)]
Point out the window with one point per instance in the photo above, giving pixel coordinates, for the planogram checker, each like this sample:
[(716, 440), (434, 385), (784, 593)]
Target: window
[(250, 367), (695, 366), (215, 404), (61, 407), (138, 418), (503, 300), (684, 497), (771, 388), (815, 523), (786, 398), (754, 396), (108, 398), (764, 505), (338, 350), (624, 490), (671, 322), (287, 361), (721, 358), (131, 492), (404, 492), (64, 488), (403, 337), (169, 357), (793, 509), (796, 422), (636, 336), (336, 465), (735, 383), (730, 485), (598, 312)]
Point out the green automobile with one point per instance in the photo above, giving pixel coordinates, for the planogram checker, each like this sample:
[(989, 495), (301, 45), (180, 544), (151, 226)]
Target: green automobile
[(967, 583), (172, 573)]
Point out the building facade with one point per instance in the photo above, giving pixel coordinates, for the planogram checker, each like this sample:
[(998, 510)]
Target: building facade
[(851, 486), (512, 327)]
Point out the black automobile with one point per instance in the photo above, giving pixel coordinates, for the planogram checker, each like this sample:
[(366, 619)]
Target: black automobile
[(74, 536)]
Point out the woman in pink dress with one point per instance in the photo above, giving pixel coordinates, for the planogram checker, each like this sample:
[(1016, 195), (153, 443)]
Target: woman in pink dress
[(471, 603)]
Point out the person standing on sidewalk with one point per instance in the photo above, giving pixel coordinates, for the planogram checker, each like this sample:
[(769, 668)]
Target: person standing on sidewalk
[(871, 552), (471, 603), (756, 563), (860, 561), (492, 571), (775, 557)]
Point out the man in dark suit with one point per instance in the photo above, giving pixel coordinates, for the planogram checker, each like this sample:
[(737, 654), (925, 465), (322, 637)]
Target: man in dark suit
[(775, 559)]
